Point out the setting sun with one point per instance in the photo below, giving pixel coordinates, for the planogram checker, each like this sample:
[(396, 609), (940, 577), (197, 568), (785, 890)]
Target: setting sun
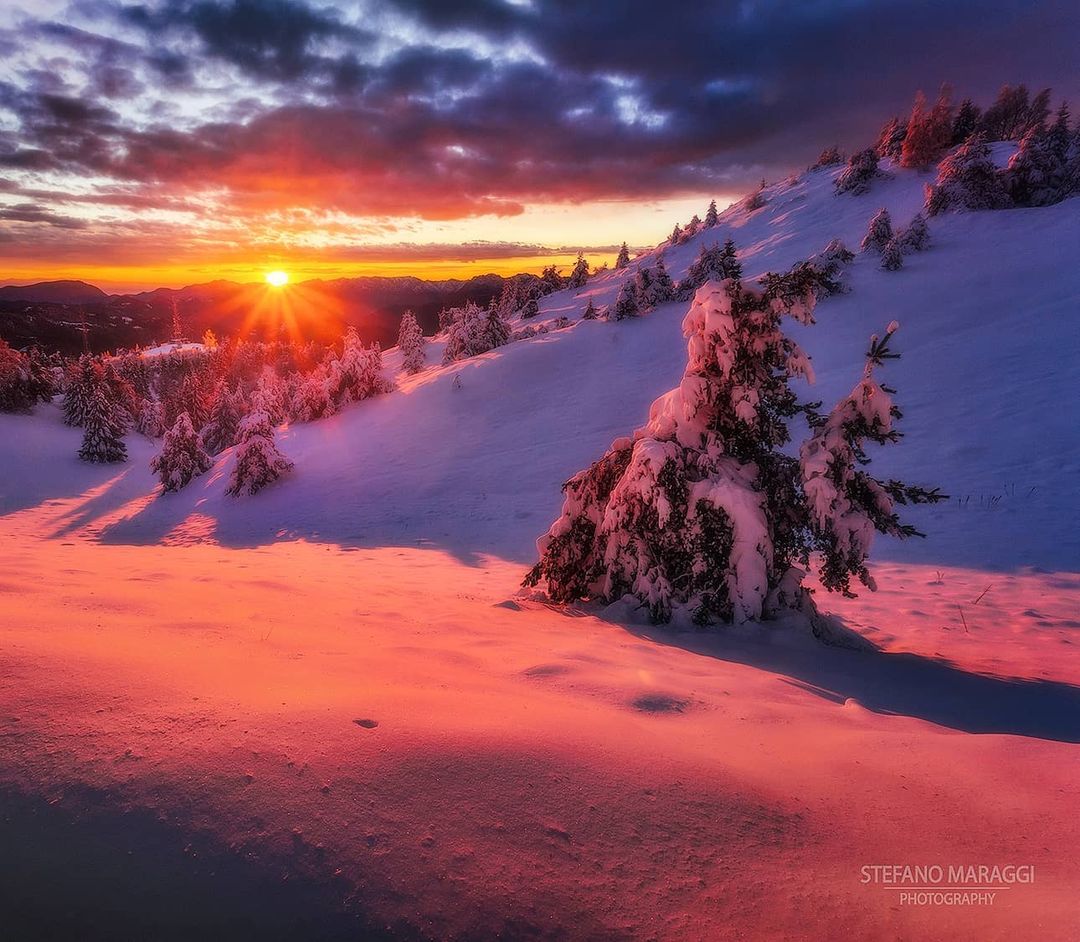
[(277, 278)]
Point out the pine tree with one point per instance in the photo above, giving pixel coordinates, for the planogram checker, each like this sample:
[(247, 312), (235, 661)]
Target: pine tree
[(892, 255), (357, 374), (878, 233), (624, 257), (312, 399), (712, 217), (579, 275), (928, 132), (591, 313), (676, 235), (150, 420), (411, 343), (103, 428), (181, 457), (1036, 175), (258, 461), (829, 157), (223, 424), (653, 286), (966, 121), (861, 171), (626, 302), (890, 142), (967, 180), (1010, 116), (82, 379), (692, 228), (916, 237), (713, 263), (703, 511), (1059, 137), (25, 379), (551, 280)]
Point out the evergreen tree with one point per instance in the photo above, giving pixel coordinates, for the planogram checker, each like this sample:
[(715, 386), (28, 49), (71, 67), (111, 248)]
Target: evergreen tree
[(878, 233), (654, 286), (1037, 175), (82, 379), (890, 142), (551, 280), (579, 275), (223, 424), (966, 121), (357, 374), (181, 457), (928, 132), (712, 217), (624, 257), (312, 399), (692, 228), (411, 343), (967, 180), (861, 171), (713, 263), (150, 420), (25, 379), (258, 461), (892, 255), (829, 157), (1059, 136), (591, 313), (703, 511), (626, 302), (103, 427), (916, 237), (676, 235), (1010, 116)]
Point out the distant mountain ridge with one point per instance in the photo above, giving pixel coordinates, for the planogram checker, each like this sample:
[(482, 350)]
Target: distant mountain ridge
[(54, 292), (52, 314)]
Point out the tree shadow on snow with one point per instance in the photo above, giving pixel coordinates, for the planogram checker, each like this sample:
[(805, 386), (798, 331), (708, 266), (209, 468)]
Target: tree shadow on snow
[(903, 684)]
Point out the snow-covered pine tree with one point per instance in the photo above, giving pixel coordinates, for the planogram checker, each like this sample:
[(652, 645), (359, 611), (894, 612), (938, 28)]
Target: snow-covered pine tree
[(150, 421), (530, 308), (967, 180), (676, 236), (190, 398), (312, 399), (181, 457), (103, 427), (1036, 175), (626, 302), (916, 237), (829, 157), (494, 328), (551, 280), (590, 313), (258, 461), (624, 257), (712, 217), (82, 379), (692, 228), (878, 233), (702, 512), (713, 263), (25, 379), (357, 374), (579, 275), (892, 255), (860, 172), (411, 343), (654, 286), (223, 424), (890, 142)]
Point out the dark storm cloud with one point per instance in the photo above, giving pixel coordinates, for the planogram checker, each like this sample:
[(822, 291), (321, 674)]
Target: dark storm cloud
[(482, 106)]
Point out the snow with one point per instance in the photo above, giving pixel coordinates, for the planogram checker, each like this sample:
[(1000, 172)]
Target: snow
[(180, 347), (580, 774)]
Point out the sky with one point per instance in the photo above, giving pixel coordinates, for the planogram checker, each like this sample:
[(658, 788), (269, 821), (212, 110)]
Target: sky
[(169, 142)]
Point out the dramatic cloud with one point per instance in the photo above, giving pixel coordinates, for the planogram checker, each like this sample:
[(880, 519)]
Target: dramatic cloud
[(392, 111)]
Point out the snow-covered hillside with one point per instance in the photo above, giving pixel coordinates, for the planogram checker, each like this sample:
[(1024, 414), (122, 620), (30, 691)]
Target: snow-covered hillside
[(987, 383), (338, 678)]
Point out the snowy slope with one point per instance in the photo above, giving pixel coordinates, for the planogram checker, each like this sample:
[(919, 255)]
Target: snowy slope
[(987, 382)]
